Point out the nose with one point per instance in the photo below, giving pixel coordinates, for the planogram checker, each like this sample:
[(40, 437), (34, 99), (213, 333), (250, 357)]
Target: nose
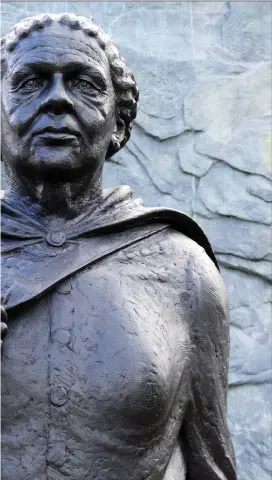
[(57, 99)]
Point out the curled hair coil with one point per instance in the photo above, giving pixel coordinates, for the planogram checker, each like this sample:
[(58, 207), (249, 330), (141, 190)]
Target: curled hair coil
[(39, 26), (23, 34), (64, 20), (89, 31), (75, 25), (10, 46), (47, 20)]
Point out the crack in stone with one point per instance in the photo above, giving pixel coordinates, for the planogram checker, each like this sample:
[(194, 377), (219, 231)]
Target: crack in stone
[(156, 137), (217, 159), (245, 383), (147, 172), (243, 268), (226, 17)]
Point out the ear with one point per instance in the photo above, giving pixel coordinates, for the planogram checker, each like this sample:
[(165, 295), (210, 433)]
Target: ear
[(118, 138)]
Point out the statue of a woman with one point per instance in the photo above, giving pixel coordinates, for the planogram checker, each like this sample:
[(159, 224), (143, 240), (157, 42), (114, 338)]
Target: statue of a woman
[(116, 357)]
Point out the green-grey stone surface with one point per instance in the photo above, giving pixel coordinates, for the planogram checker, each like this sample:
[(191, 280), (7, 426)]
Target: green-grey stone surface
[(202, 143)]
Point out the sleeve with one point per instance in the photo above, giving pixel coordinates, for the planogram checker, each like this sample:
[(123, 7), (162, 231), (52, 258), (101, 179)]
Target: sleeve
[(204, 435)]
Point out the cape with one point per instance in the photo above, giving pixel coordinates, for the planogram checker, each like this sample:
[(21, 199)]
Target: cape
[(115, 223)]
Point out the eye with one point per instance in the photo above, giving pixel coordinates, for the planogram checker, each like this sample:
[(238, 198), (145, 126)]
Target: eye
[(32, 84), (84, 85)]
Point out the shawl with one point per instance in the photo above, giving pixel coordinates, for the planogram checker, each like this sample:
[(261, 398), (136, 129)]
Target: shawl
[(115, 223)]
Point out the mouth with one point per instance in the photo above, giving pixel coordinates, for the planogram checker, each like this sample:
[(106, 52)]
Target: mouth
[(57, 135)]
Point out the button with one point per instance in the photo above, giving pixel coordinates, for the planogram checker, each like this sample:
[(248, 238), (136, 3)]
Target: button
[(56, 239), (62, 336), (56, 456), (58, 396), (64, 287)]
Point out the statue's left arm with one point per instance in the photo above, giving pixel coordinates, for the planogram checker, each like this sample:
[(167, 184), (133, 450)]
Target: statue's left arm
[(205, 436)]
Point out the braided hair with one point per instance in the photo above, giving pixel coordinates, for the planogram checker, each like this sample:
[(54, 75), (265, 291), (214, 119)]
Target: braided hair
[(126, 91)]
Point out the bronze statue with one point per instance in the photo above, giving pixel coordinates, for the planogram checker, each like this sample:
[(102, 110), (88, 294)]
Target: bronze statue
[(115, 362)]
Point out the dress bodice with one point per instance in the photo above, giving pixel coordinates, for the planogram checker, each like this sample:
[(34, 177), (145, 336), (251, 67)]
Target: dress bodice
[(96, 374)]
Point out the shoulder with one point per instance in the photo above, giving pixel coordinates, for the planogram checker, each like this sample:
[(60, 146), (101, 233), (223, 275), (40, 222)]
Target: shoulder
[(185, 258), (180, 247), (199, 284)]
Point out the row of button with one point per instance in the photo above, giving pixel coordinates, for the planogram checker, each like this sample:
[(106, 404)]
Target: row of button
[(59, 395)]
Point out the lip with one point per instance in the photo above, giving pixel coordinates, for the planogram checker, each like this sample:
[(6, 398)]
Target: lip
[(57, 135), (52, 132)]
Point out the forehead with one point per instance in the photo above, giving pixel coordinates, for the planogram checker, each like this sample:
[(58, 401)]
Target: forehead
[(56, 46)]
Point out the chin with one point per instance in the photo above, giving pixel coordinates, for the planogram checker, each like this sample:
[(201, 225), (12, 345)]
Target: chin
[(54, 163)]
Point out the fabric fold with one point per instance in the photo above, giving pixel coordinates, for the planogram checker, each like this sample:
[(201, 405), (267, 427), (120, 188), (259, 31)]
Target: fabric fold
[(115, 223)]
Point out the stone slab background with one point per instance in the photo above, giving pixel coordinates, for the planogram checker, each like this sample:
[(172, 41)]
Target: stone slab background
[(202, 144)]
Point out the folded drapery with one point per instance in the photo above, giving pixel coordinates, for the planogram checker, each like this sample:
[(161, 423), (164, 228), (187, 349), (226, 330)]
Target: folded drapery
[(113, 224)]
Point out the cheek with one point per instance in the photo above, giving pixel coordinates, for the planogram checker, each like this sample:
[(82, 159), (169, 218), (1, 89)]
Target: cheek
[(98, 116), (19, 112)]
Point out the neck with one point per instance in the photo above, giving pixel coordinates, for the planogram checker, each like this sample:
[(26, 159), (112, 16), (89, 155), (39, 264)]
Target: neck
[(55, 204)]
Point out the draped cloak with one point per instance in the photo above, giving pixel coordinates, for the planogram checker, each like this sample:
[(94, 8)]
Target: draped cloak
[(117, 222), (103, 367)]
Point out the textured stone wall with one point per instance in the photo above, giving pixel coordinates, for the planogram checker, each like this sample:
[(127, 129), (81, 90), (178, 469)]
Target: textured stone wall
[(202, 144)]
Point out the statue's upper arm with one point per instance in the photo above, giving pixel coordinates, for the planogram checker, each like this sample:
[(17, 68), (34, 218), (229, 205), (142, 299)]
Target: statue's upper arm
[(204, 433)]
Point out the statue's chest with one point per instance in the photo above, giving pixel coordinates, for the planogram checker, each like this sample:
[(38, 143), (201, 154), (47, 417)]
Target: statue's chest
[(110, 345)]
